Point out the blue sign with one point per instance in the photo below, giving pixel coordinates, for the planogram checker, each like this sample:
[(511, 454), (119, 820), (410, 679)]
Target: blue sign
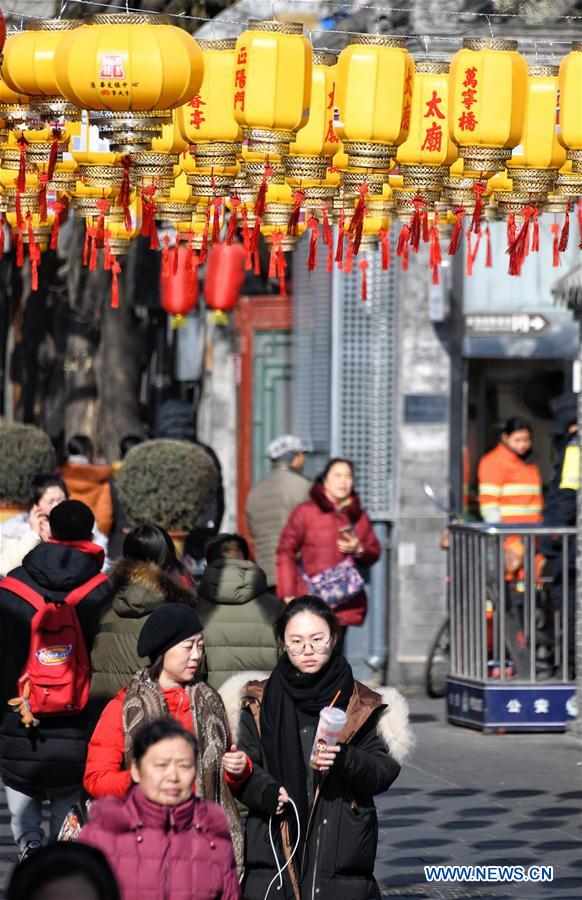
[(511, 707)]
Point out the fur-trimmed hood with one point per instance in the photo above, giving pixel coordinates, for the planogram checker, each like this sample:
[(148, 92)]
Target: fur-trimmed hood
[(140, 587), (232, 582), (393, 723)]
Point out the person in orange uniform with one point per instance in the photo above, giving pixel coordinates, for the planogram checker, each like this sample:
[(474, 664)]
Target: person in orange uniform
[(510, 486)]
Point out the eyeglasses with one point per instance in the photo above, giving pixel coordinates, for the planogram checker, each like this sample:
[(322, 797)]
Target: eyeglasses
[(318, 645)]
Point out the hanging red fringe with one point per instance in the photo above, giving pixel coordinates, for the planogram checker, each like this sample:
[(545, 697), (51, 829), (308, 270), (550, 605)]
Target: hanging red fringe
[(510, 229), (349, 260), (204, 247), (479, 189), (33, 254), (19, 249), (329, 265), (535, 241), (93, 255), (277, 263), (18, 210), (256, 261), (166, 257), (60, 206), (363, 265), (565, 235), (103, 207), (555, 229), (469, 256), (21, 179), (416, 223), (261, 200), (457, 234), (356, 225), (246, 235), (107, 255), (339, 252), (56, 134), (313, 226), (175, 254), (517, 248), (42, 181), (403, 246), (148, 225), (435, 256), (384, 235), (124, 196), (217, 207), (327, 230), (115, 271), (489, 256), (232, 224), (293, 224)]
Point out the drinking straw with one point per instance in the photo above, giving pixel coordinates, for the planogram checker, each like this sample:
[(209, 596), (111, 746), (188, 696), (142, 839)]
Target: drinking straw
[(334, 701)]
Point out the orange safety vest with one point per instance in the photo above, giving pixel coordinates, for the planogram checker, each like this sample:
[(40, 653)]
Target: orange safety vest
[(510, 489)]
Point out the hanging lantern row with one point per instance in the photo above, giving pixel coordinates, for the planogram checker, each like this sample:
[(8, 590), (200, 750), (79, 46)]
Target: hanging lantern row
[(229, 140)]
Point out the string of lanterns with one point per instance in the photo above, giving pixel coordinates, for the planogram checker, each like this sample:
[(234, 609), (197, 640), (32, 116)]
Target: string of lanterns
[(229, 140)]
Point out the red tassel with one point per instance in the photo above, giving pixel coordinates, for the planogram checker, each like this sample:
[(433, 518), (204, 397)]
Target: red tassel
[(103, 207), (256, 262), (435, 258), (165, 258), (384, 235), (54, 153), (535, 242), (273, 255), (175, 255), (148, 225), (555, 229), (255, 234), (217, 204), (479, 189), (246, 239), (349, 260), (19, 250), (328, 233), (124, 196), (425, 228), (86, 247), (510, 229), (21, 179), (469, 257), (403, 245), (189, 252), (93, 256), (356, 225), (339, 252), (261, 200), (565, 235), (281, 270), (489, 256), (2, 223), (329, 265), (59, 208), (204, 247), (457, 234), (107, 256), (231, 232), (115, 270), (313, 226), (415, 223), (517, 248), (293, 224), (579, 209), (33, 254), (363, 265), (43, 181), (18, 209)]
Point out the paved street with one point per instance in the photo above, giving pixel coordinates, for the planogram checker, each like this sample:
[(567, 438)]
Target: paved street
[(472, 799)]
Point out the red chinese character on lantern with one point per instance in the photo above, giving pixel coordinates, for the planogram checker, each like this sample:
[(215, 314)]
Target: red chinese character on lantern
[(406, 116), (469, 97), (240, 78), (467, 122), (239, 100), (331, 137), (197, 116), (470, 77), (331, 96), (433, 107), (433, 138), (241, 59), (408, 84)]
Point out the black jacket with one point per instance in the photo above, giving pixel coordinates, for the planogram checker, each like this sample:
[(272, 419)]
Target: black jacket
[(337, 860), (52, 755), (560, 509)]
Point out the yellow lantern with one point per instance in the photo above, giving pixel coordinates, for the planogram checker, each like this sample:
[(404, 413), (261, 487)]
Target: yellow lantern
[(571, 105), (427, 153), (487, 100), (311, 152), (135, 67), (374, 95), (28, 64), (535, 163), (272, 84)]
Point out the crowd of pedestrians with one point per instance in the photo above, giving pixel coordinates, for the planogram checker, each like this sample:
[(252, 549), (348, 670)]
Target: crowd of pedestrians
[(170, 721)]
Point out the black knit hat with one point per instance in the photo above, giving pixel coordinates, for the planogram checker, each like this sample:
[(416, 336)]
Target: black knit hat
[(71, 520), (167, 626)]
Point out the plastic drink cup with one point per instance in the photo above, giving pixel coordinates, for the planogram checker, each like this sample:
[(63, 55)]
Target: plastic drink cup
[(329, 727)]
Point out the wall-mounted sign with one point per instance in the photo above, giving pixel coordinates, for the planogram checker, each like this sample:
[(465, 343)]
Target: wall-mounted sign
[(425, 409), (499, 323)]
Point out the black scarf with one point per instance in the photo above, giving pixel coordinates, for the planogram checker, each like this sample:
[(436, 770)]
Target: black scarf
[(288, 690)]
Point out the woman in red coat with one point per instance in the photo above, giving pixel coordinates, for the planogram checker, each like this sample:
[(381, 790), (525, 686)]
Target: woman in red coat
[(321, 533), (162, 842)]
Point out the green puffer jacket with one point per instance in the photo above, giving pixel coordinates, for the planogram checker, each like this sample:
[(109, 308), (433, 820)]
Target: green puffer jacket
[(137, 588), (238, 617)]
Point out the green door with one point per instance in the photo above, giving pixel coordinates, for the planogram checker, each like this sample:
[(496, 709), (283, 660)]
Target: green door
[(271, 394)]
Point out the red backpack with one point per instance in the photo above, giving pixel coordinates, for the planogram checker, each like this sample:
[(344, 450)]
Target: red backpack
[(58, 670)]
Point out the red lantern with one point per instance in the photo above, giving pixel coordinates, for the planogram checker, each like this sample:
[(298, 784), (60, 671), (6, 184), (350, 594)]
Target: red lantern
[(225, 272), (2, 31), (178, 282)]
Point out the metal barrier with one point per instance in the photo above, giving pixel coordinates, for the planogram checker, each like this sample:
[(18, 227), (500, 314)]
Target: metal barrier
[(512, 635)]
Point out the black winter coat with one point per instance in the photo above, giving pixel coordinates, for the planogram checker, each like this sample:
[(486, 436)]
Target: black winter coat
[(52, 755), (337, 860)]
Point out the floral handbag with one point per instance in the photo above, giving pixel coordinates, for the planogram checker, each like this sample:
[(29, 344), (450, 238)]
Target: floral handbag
[(336, 585)]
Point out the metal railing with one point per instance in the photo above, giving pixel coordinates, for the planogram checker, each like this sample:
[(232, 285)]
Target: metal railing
[(510, 624)]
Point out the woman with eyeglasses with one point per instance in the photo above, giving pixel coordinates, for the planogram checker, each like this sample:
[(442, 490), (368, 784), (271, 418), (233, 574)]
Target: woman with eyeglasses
[(336, 825)]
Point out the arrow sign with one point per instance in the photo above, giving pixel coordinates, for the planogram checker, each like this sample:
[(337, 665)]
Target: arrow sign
[(486, 324)]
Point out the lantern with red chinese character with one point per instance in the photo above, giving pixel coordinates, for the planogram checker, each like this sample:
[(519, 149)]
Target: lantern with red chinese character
[(224, 276), (178, 285), (311, 153), (487, 101), (375, 77), (271, 106), (571, 105)]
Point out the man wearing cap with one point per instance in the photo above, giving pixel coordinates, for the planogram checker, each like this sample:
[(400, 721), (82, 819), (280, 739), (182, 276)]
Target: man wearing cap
[(271, 501), (46, 762)]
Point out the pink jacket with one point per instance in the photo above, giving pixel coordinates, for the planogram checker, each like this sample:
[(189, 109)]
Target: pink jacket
[(165, 853)]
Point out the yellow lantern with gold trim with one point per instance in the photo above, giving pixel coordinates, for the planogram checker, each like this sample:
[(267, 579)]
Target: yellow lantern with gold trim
[(571, 105), (425, 157), (487, 101), (536, 161), (29, 56), (311, 153), (272, 84), (375, 77)]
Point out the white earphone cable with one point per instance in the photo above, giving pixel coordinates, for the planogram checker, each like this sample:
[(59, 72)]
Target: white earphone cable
[(280, 869)]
